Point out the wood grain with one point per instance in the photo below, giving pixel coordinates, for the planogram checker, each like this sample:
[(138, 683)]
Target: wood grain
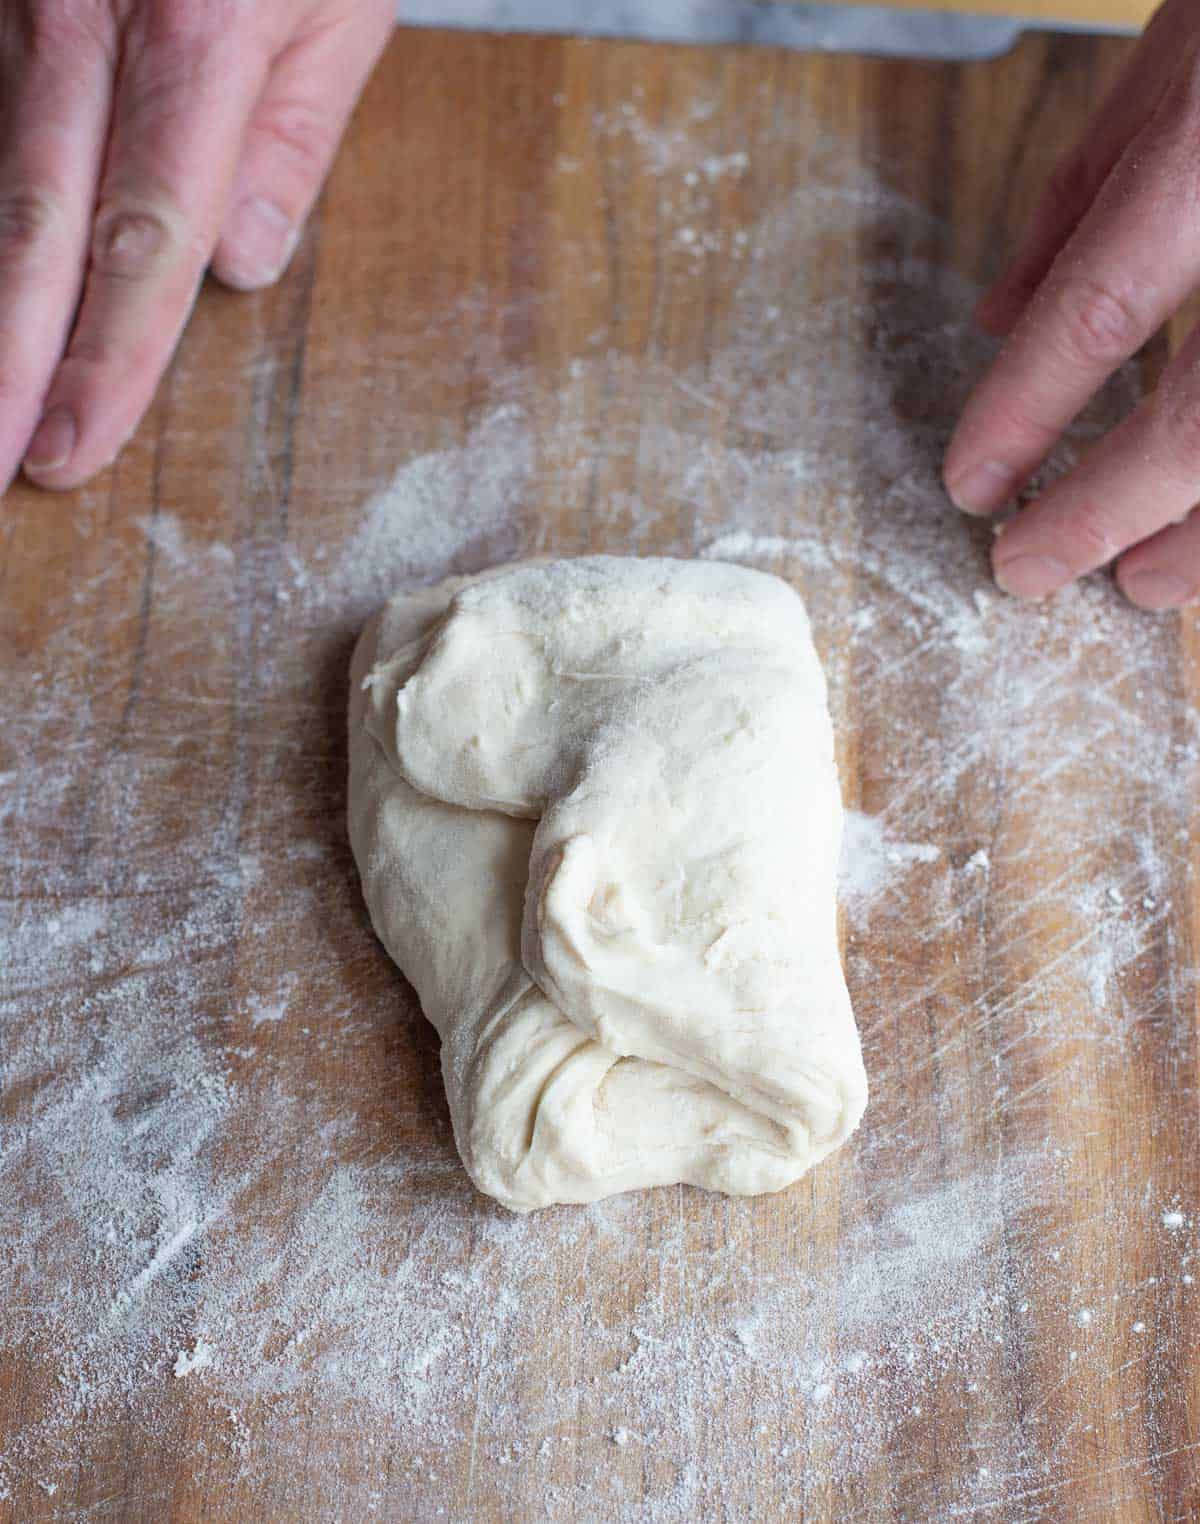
[(567, 296)]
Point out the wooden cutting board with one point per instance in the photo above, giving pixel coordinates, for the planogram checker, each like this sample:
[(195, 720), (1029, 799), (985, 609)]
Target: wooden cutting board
[(566, 297), (1088, 13)]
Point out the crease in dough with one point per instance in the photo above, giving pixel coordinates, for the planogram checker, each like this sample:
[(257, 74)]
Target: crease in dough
[(595, 808)]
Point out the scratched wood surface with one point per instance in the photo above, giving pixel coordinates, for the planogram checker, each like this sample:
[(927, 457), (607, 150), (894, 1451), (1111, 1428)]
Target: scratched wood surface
[(574, 297)]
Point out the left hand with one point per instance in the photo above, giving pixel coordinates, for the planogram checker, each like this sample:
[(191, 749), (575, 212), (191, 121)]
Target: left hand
[(142, 141), (1113, 252)]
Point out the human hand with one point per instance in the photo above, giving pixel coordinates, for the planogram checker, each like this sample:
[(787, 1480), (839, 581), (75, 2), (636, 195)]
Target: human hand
[(1113, 251), (141, 141)]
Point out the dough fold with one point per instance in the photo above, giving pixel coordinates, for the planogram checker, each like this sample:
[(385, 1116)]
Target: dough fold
[(595, 808)]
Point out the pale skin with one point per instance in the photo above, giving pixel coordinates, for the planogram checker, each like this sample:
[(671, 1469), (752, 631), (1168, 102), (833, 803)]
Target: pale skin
[(141, 143), (145, 141), (1113, 251)]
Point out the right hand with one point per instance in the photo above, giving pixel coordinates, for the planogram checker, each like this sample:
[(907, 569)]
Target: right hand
[(1113, 252)]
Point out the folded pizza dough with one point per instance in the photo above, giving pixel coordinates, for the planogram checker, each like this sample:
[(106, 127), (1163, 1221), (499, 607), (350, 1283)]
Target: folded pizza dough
[(595, 809)]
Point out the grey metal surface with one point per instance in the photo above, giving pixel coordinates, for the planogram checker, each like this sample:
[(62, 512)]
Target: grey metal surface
[(827, 28)]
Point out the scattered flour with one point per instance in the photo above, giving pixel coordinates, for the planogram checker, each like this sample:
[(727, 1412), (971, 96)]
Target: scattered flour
[(223, 1149)]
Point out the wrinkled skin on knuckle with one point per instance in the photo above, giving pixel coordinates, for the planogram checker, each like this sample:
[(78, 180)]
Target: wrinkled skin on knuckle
[(1088, 535), (1008, 419), (1100, 325), (32, 227), (301, 128), (132, 242), (98, 366)]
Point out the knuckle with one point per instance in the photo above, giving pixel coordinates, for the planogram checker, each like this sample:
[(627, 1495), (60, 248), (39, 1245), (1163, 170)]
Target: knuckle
[(1089, 536), (31, 222), (98, 362), (298, 127), (1010, 419), (1100, 326), (131, 242)]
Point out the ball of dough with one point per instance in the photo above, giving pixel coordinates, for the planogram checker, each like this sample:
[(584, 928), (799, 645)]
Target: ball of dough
[(596, 812)]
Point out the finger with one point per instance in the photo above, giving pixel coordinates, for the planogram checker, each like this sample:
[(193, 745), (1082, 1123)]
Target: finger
[(1132, 261), (1139, 479), (293, 135), (1078, 177), (1163, 572), (55, 115), (181, 99)]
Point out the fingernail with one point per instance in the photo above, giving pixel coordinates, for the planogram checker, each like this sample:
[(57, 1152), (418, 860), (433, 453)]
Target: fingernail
[(1156, 590), (984, 488), (52, 442), (260, 240), (1029, 576)]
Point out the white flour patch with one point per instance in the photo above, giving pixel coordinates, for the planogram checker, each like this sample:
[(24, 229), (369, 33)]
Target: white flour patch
[(264, 1009), (871, 859), (176, 547), (438, 506), (74, 927), (199, 1358), (741, 545), (260, 1010)]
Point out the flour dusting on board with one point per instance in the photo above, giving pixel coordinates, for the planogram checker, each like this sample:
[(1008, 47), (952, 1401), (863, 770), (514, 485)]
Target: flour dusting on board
[(870, 858), (179, 1214)]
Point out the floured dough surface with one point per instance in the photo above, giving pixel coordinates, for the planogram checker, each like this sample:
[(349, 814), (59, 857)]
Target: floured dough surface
[(596, 813)]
